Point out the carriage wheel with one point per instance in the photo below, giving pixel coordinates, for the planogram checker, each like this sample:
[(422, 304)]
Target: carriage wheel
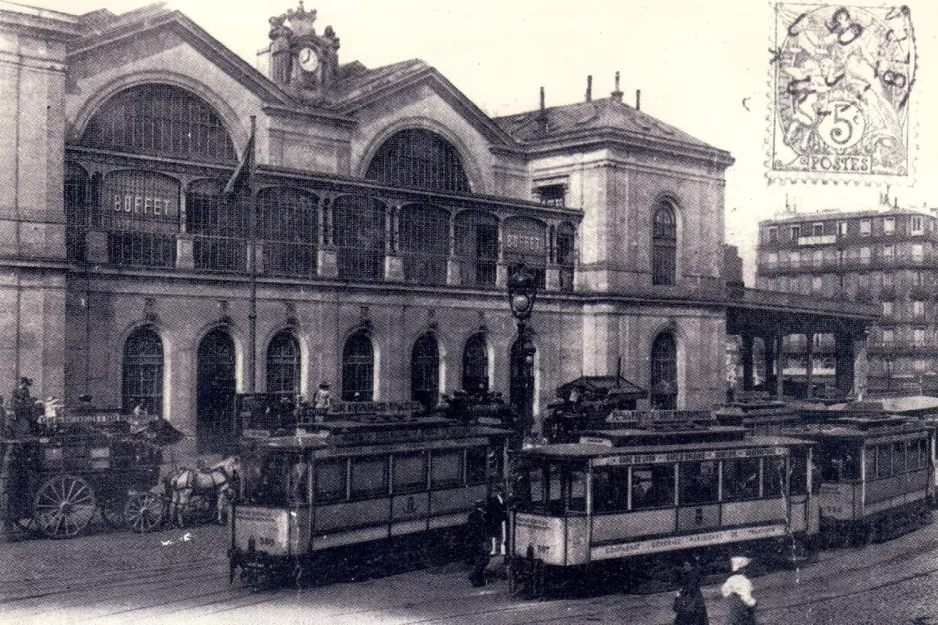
[(143, 512), (63, 506)]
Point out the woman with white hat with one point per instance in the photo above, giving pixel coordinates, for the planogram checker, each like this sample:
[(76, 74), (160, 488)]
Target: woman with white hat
[(738, 593)]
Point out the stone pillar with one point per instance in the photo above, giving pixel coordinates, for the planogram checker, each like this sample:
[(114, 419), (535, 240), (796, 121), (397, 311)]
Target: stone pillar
[(747, 361), (859, 365), (327, 263), (453, 271), (552, 278), (809, 365), (843, 359), (769, 360), (96, 247), (780, 367), (184, 254)]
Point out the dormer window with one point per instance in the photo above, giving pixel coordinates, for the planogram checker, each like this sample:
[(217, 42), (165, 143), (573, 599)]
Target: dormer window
[(551, 195)]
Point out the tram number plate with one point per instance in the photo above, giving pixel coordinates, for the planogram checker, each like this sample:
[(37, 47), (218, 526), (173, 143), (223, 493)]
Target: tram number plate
[(542, 549), (266, 541)]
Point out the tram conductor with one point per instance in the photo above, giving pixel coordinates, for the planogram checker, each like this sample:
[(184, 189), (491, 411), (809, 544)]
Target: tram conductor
[(477, 543)]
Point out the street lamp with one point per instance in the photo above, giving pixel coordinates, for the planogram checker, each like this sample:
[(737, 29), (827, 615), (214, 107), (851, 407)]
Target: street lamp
[(522, 292)]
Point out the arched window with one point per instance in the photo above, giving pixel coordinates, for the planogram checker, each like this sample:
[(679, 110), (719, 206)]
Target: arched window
[(219, 228), (143, 371), (418, 158), (425, 371), (289, 227), (566, 255), (358, 368), (475, 364), (664, 245), (477, 247), (359, 237), (160, 120), (77, 216), (664, 372), (283, 365), (424, 243)]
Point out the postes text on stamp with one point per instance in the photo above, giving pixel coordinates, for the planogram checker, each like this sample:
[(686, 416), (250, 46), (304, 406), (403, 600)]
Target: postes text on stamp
[(843, 78)]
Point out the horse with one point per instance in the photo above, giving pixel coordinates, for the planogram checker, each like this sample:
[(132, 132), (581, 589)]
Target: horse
[(214, 482)]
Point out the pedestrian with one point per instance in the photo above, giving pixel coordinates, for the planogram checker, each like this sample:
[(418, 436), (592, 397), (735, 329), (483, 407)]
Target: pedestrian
[(477, 539), (737, 590), (496, 514), (322, 401), (689, 605)]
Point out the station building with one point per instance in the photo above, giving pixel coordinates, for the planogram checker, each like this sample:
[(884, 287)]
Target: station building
[(374, 213)]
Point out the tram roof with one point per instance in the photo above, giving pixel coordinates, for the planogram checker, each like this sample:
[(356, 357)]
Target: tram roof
[(575, 451), (861, 428)]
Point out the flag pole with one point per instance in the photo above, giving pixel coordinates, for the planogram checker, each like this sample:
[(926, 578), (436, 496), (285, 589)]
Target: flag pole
[(252, 310)]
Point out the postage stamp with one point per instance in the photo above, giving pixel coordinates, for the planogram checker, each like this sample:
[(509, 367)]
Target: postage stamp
[(843, 79)]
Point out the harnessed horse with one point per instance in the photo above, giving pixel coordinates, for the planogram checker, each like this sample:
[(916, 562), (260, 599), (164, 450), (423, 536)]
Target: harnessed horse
[(214, 482)]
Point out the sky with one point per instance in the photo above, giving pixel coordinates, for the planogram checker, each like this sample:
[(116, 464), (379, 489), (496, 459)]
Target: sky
[(701, 66)]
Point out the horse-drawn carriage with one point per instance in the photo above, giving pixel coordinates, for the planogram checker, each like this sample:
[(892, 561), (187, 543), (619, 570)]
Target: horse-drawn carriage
[(84, 463)]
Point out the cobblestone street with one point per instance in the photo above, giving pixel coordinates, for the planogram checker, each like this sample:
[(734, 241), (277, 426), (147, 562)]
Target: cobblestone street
[(161, 578)]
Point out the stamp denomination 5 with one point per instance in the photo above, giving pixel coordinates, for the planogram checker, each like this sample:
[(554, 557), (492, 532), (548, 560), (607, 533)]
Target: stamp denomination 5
[(843, 78)]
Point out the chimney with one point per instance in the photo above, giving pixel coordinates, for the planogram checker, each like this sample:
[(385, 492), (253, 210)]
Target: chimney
[(542, 114), (617, 95), (638, 99), (589, 88)]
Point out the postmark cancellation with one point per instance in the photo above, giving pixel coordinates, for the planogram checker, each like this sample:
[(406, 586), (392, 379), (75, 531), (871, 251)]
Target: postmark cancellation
[(842, 83)]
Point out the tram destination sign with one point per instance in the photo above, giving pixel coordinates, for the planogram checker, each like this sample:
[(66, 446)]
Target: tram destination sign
[(690, 456), (684, 542), (660, 416)]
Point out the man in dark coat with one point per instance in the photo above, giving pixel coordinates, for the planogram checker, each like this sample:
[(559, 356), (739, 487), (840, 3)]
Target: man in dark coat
[(496, 513), (689, 605), (477, 538)]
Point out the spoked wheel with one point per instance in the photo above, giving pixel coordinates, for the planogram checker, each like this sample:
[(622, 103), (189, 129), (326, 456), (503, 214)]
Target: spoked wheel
[(63, 506), (143, 512)]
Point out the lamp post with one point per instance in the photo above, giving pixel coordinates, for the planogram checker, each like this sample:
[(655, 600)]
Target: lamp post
[(522, 292)]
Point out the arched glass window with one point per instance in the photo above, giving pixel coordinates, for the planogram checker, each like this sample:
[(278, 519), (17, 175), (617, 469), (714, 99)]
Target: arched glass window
[(475, 364), (425, 371), (219, 228), (418, 158), (359, 237), (524, 240), (664, 245), (139, 210), (160, 120), (77, 204), (566, 255), (283, 365), (143, 371), (477, 247), (424, 243), (289, 227), (664, 372), (358, 368)]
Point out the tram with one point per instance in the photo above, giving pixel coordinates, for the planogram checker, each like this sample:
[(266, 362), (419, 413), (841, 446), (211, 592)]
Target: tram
[(371, 481), (876, 473), (638, 497)]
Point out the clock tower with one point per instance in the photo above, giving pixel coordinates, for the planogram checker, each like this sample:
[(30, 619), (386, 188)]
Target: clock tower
[(301, 61)]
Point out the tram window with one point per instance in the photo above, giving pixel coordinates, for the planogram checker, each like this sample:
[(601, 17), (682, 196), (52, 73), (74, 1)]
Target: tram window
[(410, 472), (883, 460), (446, 468), (922, 454), (652, 487), (840, 463), (740, 478), (869, 462), (477, 465), (554, 486), (369, 476), (610, 490), (773, 476), (898, 457), (576, 491), (799, 472), (698, 482), (330, 480)]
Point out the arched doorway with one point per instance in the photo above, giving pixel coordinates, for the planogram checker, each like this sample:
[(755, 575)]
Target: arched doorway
[(521, 382), (358, 368), (475, 365), (664, 372), (425, 371), (215, 391)]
